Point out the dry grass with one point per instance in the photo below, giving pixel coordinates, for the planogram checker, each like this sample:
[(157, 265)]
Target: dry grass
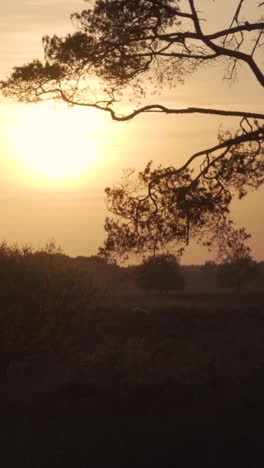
[(180, 385)]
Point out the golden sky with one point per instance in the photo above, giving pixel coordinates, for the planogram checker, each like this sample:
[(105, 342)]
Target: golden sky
[(56, 161)]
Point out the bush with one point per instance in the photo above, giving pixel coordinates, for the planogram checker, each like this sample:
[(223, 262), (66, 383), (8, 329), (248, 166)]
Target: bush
[(161, 272), (236, 272), (42, 295)]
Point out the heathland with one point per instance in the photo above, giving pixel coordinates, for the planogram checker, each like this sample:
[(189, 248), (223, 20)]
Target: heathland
[(100, 374)]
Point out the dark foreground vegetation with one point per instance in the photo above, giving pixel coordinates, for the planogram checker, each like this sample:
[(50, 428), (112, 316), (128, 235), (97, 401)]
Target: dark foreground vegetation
[(93, 380)]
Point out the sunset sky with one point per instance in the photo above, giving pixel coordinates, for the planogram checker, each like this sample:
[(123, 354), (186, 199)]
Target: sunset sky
[(56, 161)]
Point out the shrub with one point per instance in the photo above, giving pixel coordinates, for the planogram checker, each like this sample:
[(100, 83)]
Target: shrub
[(161, 272), (42, 295)]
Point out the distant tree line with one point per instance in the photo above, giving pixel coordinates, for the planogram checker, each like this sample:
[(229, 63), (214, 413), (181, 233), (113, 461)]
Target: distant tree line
[(44, 293), (164, 274)]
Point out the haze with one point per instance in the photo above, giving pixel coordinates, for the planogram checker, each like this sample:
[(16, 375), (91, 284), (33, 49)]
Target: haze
[(56, 161)]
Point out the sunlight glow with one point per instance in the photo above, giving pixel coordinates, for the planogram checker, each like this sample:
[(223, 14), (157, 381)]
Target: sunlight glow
[(57, 145)]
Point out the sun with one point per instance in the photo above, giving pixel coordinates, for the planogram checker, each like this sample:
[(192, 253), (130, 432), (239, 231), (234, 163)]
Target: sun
[(57, 145)]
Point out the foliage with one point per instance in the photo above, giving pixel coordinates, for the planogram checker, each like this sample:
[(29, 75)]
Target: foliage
[(237, 272), (161, 272), (42, 294), (43, 278), (209, 274), (108, 277), (236, 268), (123, 48)]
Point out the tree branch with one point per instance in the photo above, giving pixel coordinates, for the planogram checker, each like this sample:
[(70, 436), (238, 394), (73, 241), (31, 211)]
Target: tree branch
[(244, 138), (158, 108)]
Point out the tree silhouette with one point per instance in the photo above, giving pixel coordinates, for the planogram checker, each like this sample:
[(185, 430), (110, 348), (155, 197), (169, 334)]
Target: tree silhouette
[(122, 47), (160, 272), (237, 272), (236, 267)]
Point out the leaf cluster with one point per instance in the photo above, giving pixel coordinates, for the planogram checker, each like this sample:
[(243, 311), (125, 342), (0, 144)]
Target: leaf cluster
[(165, 207)]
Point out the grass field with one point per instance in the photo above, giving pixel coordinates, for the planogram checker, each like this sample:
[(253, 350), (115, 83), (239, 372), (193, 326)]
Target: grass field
[(178, 383)]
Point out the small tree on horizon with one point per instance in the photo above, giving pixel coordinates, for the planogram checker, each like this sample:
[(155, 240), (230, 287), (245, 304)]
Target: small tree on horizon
[(236, 266), (160, 272), (237, 272)]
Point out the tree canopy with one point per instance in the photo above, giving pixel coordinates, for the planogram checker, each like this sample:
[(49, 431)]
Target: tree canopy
[(160, 272), (122, 48), (236, 266)]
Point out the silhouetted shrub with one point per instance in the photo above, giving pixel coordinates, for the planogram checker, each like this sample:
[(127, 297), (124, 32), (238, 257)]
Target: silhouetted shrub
[(161, 272), (43, 293), (236, 272)]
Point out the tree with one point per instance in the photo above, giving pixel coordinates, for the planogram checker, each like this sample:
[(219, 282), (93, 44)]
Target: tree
[(120, 47), (236, 267), (237, 272), (160, 272), (209, 272)]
